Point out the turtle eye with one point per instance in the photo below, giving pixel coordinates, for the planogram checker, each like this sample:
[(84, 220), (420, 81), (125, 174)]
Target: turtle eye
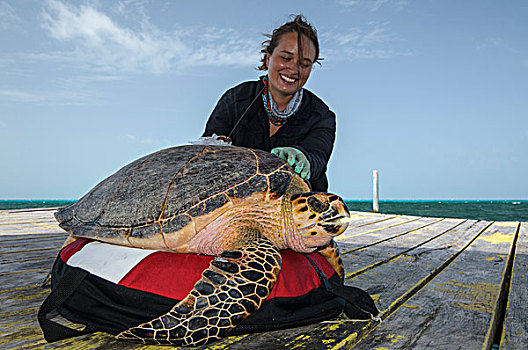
[(317, 205), (334, 198)]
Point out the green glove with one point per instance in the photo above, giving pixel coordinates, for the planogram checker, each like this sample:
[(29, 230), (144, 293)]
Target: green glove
[(295, 158)]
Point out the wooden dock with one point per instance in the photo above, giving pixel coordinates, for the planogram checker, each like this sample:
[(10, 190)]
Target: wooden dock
[(439, 283)]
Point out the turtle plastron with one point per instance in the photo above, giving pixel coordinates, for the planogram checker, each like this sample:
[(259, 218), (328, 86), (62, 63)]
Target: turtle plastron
[(234, 286)]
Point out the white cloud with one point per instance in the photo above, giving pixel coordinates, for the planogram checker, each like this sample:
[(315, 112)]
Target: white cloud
[(20, 96), (370, 42), (97, 41), (373, 5), (495, 43), (349, 3), (66, 95), (7, 15), (20, 70), (377, 4), (155, 141)]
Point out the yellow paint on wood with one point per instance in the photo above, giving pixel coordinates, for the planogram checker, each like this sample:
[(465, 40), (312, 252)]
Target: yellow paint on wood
[(409, 306), (497, 258), (345, 343), (498, 238), (404, 257), (39, 295), (375, 297), (22, 272), (389, 341), (348, 235), (394, 338), (478, 296), (334, 326), (18, 288), (507, 224), (226, 342), (30, 336), (298, 342), (20, 312)]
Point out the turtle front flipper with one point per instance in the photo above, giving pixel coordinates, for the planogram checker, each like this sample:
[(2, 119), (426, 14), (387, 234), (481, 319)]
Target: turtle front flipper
[(234, 286), (331, 253)]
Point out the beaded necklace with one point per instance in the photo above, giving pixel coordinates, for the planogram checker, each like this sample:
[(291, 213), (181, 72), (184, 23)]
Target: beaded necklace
[(275, 116)]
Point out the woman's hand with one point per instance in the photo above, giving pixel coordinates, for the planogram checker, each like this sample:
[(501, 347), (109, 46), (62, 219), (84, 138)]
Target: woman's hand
[(295, 158)]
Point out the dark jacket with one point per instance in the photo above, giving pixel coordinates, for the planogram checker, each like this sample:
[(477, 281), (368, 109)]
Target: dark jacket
[(311, 129)]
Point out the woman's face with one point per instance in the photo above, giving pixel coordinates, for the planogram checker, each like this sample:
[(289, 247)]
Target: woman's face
[(285, 73)]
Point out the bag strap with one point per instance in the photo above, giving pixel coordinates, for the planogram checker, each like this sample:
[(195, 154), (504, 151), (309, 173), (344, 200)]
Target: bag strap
[(359, 304), (52, 330)]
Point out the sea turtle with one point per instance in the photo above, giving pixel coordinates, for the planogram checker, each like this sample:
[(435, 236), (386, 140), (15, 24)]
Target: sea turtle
[(239, 204)]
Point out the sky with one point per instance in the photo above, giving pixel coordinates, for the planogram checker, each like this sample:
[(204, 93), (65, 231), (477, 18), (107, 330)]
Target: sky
[(431, 93)]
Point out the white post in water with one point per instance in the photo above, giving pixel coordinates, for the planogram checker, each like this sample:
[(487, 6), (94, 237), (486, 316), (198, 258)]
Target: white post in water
[(375, 191)]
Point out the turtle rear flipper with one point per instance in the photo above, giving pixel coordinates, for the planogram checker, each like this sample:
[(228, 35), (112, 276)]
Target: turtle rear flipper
[(234, 286)]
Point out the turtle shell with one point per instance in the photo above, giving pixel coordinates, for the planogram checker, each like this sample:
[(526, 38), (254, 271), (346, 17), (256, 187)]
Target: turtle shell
[(169, 190)]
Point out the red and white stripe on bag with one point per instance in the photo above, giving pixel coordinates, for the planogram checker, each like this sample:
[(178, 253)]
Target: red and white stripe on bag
[(173, 275)]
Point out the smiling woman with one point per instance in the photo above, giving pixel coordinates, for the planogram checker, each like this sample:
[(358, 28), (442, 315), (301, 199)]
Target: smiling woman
[(290, 121)]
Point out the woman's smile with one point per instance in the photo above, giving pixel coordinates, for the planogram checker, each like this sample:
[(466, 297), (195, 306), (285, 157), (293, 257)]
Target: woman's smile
[(287, 79)]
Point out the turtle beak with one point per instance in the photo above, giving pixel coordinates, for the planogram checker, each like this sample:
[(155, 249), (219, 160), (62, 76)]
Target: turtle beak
[(336, 224), (338, 220)]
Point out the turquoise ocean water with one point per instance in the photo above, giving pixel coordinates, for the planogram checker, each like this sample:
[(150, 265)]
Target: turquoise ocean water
[(496, 210), (30, 204), (511, 210)]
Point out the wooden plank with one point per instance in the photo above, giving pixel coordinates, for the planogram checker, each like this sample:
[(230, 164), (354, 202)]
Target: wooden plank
[(50, 253), (7, 255), (26, 217), (516, 321), (384, 250), (359, 218), (19, 299), (24, 279), (461, 301), (31, 239), (33, 222), (27, 335), (399, 223), (375, 234), (25, 265), (393, 282), (30, 229), (31, 245)]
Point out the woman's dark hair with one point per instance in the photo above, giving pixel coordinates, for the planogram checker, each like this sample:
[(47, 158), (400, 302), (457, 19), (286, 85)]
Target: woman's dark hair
[(298, 25)]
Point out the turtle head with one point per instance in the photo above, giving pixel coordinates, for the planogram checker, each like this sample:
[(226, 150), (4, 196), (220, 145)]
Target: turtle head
[(319, 217)]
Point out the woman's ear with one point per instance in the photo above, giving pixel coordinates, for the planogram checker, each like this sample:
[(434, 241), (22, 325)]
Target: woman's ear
[(266, 60)]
